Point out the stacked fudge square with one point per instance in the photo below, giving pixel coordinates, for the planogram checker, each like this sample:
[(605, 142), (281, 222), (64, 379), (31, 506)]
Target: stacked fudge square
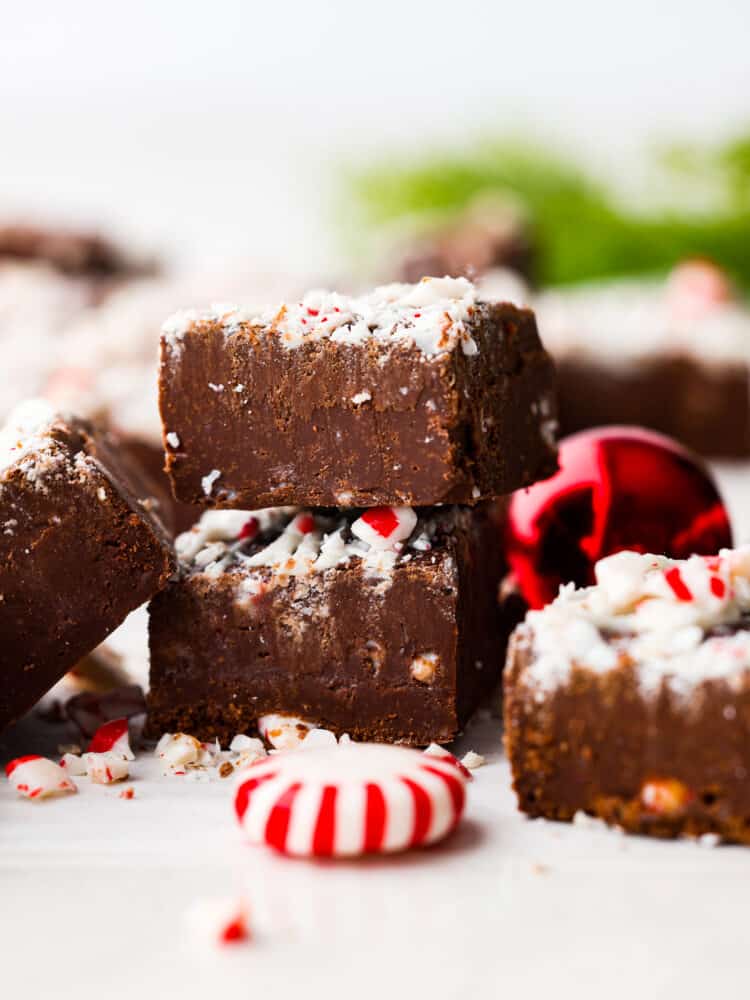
[(351, 452)]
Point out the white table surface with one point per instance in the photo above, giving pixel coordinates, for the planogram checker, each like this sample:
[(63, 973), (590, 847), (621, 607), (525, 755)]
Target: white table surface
[(94, 890)]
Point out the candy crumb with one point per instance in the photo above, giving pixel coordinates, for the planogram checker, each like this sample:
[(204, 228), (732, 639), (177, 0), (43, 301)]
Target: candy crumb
[(473, 760), (709, 840), (218, 922), (127, 793)]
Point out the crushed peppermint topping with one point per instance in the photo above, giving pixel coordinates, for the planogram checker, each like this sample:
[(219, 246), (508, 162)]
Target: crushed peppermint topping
[(26, 441), (294, 543), (677, 621), (434, 314)]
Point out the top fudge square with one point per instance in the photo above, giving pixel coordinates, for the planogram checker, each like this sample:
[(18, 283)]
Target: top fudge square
[(410, 395)]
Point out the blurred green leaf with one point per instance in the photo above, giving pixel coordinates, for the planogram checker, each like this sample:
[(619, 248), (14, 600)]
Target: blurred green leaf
[(581, 230)]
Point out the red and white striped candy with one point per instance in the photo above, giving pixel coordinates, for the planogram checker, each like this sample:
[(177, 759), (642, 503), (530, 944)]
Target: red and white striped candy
[(352, 799), (112, 738), (37, 777), (385, 527)]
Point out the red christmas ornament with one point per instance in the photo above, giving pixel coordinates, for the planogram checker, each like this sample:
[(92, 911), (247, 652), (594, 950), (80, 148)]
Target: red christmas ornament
[(617, 488)]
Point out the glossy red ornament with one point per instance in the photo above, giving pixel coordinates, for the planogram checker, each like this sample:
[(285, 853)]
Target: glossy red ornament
[(617, 488)]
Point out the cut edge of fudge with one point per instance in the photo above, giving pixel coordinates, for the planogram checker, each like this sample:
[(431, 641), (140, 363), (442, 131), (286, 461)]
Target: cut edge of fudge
[(630, 700), (411, 395), (313, 614), (80, 547)]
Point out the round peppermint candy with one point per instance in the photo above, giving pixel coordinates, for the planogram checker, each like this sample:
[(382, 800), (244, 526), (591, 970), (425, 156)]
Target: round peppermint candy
[(351, 799)]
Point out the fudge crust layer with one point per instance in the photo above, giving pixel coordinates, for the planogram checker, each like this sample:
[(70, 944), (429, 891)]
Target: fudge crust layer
[(392, 646), (79, 549), (413, 395), (630, 700)]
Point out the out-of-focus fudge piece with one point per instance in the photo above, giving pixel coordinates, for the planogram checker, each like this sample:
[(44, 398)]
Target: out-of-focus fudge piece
[(412, 394), (70, 251), (380, 623), (78, 549), (492, 232), (673, 356), (630, 700)]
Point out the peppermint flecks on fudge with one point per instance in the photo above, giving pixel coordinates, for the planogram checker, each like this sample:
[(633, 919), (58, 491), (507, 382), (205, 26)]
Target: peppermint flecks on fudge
[(291, 542), (432, 314), (669, 617)]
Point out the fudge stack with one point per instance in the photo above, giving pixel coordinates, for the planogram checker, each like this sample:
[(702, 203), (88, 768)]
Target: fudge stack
[(351, 452)]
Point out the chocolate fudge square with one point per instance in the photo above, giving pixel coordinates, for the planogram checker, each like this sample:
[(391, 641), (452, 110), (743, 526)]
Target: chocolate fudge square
[(410, 395), (79, 549), (379, 624), (630, 700), (670, 355)]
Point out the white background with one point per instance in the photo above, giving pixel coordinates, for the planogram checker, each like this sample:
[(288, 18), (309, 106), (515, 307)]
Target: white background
[(213, 125)]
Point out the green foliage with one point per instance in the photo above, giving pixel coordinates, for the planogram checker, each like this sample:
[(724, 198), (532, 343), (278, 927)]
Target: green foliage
[(581, 229)]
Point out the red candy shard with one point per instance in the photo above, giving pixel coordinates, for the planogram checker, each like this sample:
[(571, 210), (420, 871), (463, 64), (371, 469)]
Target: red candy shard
[(617, 488), (107, 736), (383, 520), (679, 587), (249, 529), (304, 523), (13, 764), (235, 931)]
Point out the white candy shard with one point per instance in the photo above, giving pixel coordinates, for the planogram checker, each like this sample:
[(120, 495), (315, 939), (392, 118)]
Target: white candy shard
[(318, 738), (207, 481), (37, 777), (74, 765), (179, 750), (283, 732), (247, 744), (472, 760), (106, 768)]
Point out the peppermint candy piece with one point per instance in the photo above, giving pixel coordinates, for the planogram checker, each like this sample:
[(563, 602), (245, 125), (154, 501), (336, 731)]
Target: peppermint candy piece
[(349, 800), (112, 738), (106, 768), (385, 527), (283, 732), (37, 777), (218, 922)]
